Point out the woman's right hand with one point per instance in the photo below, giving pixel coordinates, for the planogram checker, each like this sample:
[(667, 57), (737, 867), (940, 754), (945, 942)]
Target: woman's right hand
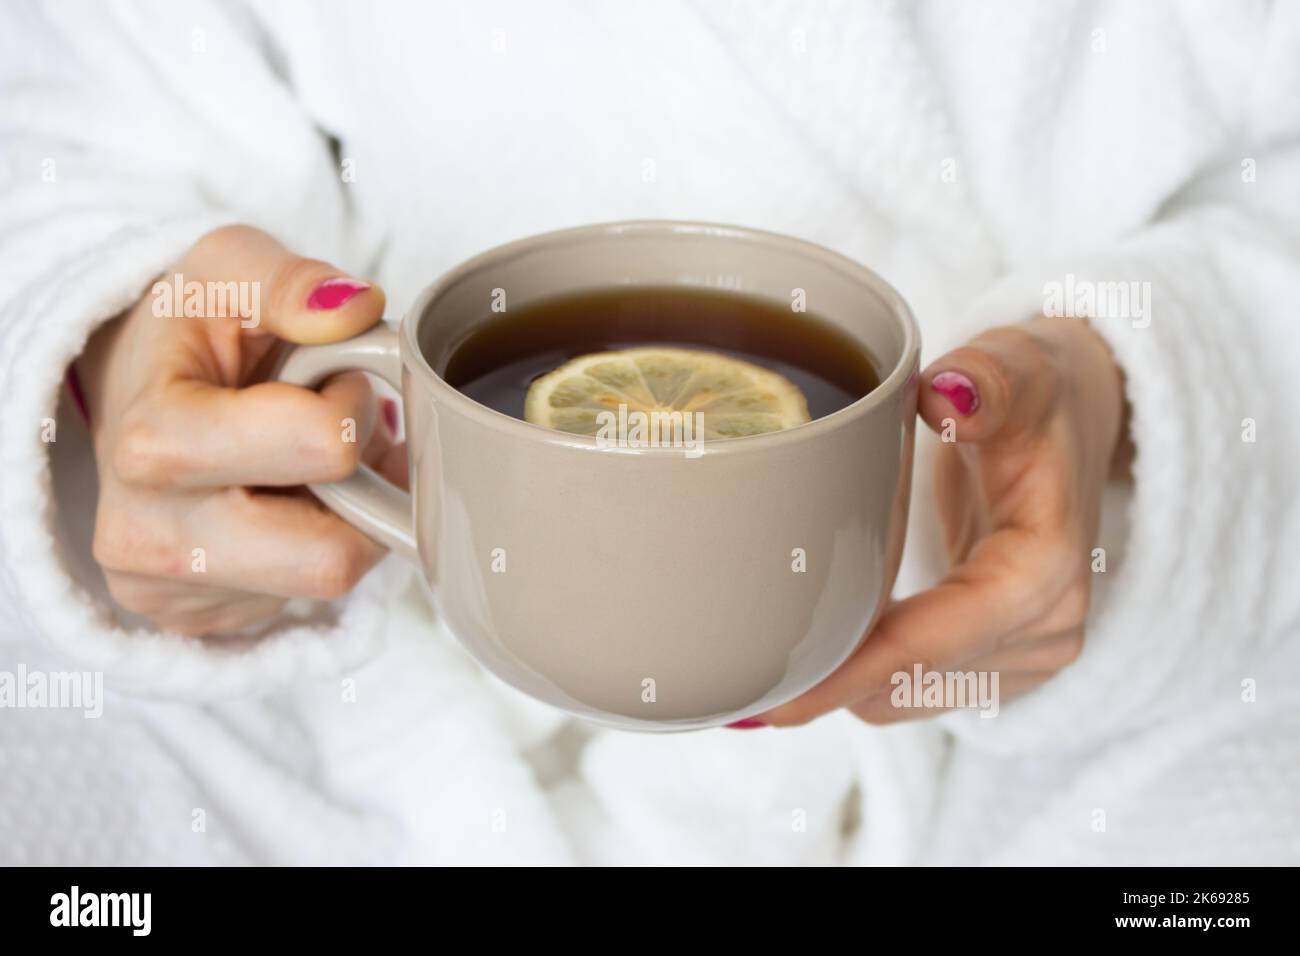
[(202, 524)]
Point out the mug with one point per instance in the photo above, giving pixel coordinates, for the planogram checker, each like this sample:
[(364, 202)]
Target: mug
[(640, 587)]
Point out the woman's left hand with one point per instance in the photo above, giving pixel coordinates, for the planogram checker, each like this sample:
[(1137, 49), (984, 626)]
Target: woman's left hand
[(1032, 422)]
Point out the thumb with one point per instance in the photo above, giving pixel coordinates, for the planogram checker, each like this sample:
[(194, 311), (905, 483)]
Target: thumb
[(998, 386), (299, 300)]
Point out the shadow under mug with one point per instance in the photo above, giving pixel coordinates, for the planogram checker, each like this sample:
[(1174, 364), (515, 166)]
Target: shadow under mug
[(640, 587)]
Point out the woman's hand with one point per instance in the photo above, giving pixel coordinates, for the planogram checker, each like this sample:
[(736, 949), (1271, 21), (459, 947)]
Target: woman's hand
[(201, 524), (1033, 418)]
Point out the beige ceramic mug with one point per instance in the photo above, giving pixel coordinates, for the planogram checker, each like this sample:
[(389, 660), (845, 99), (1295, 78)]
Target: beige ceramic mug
[(641, 587)]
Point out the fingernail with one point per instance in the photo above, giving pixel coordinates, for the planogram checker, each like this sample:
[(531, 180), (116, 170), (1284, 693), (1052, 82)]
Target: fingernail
[(332, 293), (388, 408), (959, 390), (749, 724)]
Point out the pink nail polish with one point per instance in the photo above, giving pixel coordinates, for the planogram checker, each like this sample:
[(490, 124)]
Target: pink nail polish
[(959, 390), (332, 293), (748, 724), (388, 408)]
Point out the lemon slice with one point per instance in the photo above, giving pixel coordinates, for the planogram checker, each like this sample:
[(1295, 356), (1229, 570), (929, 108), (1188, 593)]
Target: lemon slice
[(735, 398)]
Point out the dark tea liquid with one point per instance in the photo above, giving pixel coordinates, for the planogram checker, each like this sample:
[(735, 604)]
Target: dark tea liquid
[(497, 362)]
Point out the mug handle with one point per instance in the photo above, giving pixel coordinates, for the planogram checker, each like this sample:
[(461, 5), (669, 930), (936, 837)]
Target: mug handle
[(366, 501)]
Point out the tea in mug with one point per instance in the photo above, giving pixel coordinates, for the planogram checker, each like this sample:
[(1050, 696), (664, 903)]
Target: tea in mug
[(751, 364)]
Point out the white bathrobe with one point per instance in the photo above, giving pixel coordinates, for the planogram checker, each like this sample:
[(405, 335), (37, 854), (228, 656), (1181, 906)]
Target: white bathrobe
[(971, 153)]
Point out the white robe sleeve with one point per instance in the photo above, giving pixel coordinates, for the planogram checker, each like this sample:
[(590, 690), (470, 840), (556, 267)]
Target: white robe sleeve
[(1198, 601), (128, 131)]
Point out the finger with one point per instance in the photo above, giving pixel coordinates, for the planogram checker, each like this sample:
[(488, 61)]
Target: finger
[(999, 386), (280, 545), (193, 434), (266, 543), (893, 708), (152, 596), (226, 618), (382, 436), (393, 466), (297, 299), (1048, 653), (960, 618), (384, 453)]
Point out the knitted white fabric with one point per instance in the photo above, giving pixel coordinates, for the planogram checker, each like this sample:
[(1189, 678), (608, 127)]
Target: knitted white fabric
[(971, 154)]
